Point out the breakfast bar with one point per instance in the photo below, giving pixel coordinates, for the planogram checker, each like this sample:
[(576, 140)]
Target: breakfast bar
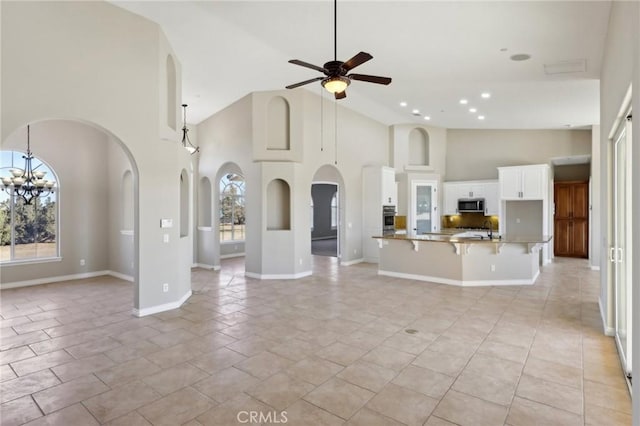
[(465, 259)]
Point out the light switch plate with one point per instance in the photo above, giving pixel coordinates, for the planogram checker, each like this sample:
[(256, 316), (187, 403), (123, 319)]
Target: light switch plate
[(166, 223)]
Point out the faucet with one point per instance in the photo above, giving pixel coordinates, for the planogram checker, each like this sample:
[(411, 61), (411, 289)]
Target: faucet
[(490, 231)]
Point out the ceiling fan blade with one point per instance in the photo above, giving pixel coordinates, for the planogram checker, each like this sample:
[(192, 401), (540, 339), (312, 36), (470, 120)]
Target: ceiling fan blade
[(308, 65), (302, 83), (370, 78), (359, 59), (341, 95)]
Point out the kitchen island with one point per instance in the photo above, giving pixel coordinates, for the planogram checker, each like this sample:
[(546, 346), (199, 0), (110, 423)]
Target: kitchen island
[(464, 259)]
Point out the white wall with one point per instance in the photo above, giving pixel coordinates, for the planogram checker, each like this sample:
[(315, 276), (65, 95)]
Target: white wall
[(83, 197), (94, 62), (617, 74), (476, 154)]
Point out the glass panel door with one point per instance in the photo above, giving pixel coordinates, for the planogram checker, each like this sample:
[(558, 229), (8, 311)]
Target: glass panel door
[(620, 252), (424, 207)]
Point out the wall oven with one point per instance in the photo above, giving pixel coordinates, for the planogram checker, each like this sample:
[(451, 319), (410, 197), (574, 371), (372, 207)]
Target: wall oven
[(388, 220)]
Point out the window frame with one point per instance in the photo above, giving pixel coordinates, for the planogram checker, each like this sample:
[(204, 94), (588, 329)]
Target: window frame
[(241, 187), (11, 197)]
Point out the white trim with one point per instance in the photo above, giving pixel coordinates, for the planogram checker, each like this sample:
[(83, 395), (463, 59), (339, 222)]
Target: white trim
[(352, 262), (205, 266), (161, 308), (608, 331), (128, 232), (462, 283), (31, 260), (278, 276), (230, 255), (121, 276), (49, 280)]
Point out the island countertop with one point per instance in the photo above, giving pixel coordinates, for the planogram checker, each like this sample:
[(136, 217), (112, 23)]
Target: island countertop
[(478, 238)]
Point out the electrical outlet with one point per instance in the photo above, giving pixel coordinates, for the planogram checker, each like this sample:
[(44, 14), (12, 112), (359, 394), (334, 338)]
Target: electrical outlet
[(493, 268), (518, 220), (165, 238), (165, 287), (82, 262), (300, 261)]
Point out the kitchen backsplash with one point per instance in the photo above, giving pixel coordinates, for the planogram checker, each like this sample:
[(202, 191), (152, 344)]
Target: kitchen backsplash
[(469, 220)]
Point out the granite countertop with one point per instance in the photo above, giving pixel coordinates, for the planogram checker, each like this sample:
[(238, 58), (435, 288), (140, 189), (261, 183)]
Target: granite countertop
[(458, 237)]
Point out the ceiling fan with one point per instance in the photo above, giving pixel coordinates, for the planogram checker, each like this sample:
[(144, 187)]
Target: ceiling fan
[(336, 78)]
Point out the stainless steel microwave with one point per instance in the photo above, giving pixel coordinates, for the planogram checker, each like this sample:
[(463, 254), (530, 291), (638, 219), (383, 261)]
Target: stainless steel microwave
[(471, 205)]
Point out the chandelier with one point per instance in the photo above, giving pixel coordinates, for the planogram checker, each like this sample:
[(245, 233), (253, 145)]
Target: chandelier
[(186, 143), (27, 183)]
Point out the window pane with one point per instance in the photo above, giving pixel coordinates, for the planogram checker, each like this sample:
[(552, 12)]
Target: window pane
[(34, 225), (5, 227), (232, 213)]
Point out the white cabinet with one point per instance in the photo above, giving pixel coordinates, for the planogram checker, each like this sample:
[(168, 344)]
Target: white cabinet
[(491, 199), (450, 197), (453, 191), (378, 189), (524, 182), (389, 187)]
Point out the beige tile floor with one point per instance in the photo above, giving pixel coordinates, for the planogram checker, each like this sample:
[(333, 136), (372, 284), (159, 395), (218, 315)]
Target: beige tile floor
[(329, 349)]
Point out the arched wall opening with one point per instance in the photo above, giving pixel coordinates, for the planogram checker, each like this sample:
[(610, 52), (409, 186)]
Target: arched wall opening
[(98, 216), (278, 121), (327, 181)]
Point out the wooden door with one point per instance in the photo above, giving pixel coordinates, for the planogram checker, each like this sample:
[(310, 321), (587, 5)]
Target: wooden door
[(571, 220)]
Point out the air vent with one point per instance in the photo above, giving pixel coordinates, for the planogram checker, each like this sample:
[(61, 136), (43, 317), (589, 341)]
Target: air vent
[(566, 67)]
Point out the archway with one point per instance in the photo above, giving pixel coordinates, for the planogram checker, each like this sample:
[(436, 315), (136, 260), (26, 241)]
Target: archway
[(98, 184), (327, 206), (229, 215)]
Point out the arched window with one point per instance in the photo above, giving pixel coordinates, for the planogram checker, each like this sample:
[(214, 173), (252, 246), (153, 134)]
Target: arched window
[(334, 211), (28, 231), (232, 217)]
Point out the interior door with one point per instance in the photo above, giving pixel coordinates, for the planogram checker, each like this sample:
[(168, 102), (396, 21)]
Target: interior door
[(424, 207), (620, 252), (571, 219)]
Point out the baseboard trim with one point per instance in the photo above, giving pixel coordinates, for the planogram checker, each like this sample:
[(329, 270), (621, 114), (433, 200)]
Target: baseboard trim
[(161, 308), (352, 262), (278, 276), (229, 256), (460, 283), (594, 267), (59, 278), (205, 266), (121, 276), (608, 331)]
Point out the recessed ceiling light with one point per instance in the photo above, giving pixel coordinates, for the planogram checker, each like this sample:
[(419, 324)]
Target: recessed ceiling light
[(415, 111), (403, 104), (464, 101), (426, 117), (481, 117), (472, 110), (485, 95), (520, 57)]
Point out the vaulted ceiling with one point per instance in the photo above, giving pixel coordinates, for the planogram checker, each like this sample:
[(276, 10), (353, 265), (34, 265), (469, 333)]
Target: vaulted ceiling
[(436, 52)]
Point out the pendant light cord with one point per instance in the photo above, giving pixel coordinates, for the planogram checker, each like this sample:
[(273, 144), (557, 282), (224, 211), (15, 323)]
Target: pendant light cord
[(321, 120)]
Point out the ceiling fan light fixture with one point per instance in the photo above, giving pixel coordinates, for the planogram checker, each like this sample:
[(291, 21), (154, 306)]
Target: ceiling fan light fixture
[(336, 84)]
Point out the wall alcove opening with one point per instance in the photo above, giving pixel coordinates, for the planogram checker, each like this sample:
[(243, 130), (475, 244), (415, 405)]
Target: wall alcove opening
[(278, 205), (278, 125), (418, 147)]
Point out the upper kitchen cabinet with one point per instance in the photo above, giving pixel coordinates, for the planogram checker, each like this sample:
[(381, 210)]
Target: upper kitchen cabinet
[(378, 189), (524, 182), (487, 190)]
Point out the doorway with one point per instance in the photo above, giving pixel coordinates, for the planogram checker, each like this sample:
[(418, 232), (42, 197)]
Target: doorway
[(325, 219), (571, 219), (620, 250), (423, 215)]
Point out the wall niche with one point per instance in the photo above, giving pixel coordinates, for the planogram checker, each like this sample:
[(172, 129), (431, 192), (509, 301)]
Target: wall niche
[(418, 147), (278, 205), (278, 125)]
